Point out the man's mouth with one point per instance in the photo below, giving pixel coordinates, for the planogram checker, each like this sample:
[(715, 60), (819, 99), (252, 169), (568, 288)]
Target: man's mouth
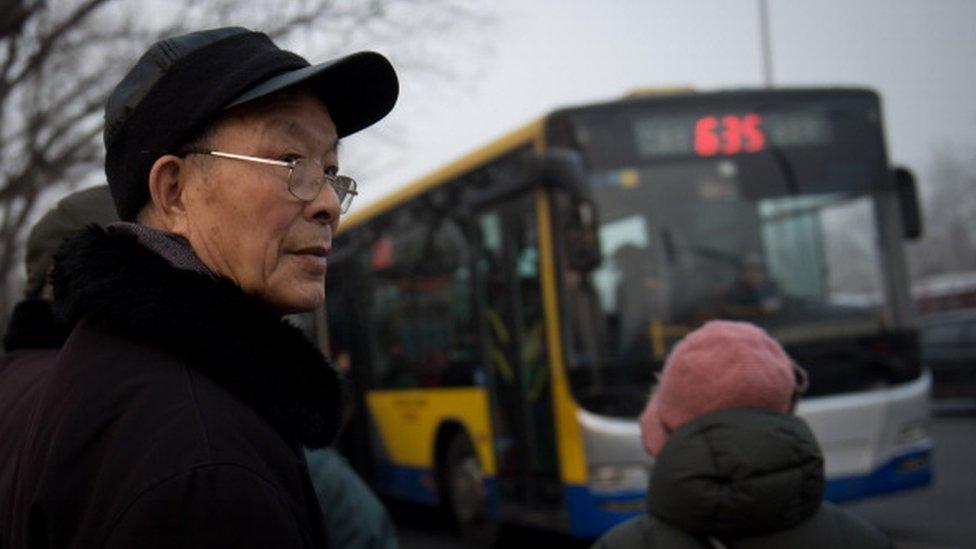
[(315, 256), (315, 250)]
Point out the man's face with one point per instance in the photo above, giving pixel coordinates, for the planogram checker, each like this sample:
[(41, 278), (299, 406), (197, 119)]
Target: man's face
[(240, 217), (754, 276)]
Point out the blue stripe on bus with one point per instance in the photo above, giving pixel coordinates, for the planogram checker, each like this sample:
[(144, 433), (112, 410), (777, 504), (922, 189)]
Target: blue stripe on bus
[(910, 470), (592, 514), (419, 484), (409, 483)]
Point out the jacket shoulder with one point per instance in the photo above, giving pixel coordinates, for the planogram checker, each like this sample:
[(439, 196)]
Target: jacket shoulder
[(632, 534), (152, 396), (213, 505), (646, 532), (830, 527), (851, 530), (150, 418)]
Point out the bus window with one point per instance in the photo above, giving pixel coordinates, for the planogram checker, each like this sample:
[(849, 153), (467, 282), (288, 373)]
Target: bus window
[(425, 332)]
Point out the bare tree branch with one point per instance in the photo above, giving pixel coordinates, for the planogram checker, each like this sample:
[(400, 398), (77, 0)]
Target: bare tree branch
[(8, 63), (13, 14), (47, 44), (41, 168)]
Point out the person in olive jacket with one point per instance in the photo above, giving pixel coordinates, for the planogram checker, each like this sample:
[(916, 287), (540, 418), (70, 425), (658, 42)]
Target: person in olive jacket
[(734, 468), (176, 412)]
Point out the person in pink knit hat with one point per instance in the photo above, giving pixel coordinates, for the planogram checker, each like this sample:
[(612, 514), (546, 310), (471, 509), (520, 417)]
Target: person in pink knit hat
[(721, 365), (733, 466)]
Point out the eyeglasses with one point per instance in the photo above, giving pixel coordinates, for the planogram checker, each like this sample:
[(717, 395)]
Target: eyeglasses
[(305, 178)]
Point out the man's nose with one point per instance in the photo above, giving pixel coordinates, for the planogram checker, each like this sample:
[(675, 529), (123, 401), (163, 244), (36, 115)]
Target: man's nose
[(325, 207)]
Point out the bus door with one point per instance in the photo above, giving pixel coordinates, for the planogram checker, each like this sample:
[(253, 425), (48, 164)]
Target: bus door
[(514, 342)]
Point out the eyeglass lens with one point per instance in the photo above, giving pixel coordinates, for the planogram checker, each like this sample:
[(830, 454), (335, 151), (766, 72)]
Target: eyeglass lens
[(307, 180)]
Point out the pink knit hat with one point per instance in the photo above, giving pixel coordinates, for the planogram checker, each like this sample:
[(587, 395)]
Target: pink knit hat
[(721, 365)]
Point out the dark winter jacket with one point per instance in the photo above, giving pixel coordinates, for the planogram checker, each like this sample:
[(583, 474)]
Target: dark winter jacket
[(741, 479), (32, 326), (31, 344), (174, 415)]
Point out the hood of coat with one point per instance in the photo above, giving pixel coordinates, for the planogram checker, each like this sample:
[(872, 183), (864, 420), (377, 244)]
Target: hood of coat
[(207, 323), (738, 472)]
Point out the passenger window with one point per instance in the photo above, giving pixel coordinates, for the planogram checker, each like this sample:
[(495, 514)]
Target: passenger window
[(425, 332)]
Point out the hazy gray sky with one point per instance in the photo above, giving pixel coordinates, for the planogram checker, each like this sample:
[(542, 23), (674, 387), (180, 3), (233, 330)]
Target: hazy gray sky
[(919, 54)]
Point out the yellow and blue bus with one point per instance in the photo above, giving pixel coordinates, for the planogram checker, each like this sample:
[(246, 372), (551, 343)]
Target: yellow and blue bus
[(505, 315)]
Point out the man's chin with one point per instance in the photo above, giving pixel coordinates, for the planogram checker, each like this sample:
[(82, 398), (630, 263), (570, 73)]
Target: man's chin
[(297, 302)]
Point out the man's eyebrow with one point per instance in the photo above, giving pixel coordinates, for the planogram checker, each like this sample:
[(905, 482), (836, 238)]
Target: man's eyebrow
[(292, 127)]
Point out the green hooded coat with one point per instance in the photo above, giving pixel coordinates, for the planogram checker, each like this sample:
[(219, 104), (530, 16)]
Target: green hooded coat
[(742, 478)]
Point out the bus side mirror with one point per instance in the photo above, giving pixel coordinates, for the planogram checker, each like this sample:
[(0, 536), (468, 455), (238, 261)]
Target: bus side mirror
[(911, 213), (562, 169), (555, 168)]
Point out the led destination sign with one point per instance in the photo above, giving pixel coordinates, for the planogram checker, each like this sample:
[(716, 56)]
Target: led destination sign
[(728, 134)]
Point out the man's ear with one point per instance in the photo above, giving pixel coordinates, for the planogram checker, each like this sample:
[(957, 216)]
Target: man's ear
[(167, 191)]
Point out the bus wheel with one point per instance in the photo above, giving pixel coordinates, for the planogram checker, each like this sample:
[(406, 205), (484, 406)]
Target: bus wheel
[(465, 496)]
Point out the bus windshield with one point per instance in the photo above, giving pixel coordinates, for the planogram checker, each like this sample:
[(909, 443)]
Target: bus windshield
[(786, 238)]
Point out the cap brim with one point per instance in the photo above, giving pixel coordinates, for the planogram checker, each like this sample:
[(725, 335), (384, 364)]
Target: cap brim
[(358, 90)]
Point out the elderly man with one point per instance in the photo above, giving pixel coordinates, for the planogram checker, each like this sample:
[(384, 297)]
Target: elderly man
[(178, 407)]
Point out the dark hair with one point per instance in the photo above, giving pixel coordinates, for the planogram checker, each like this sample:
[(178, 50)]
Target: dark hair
[(198, 140)]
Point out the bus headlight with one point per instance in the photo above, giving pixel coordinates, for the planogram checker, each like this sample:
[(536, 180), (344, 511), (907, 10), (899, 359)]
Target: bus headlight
[(912, 432), (619, 477)]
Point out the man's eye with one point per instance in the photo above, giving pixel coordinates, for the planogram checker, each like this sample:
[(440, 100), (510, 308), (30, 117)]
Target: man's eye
[(290, 157)]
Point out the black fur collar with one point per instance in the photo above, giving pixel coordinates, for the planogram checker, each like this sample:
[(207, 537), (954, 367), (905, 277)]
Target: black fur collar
[(208, 323)]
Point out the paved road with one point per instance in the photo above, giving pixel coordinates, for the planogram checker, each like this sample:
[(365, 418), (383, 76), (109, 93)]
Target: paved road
[(942, 516), (419, 527)]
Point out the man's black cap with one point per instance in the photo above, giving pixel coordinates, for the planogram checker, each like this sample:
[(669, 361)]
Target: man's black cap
[(182, 84)]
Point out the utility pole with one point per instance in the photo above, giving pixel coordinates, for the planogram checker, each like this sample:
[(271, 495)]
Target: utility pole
[(767, 44)]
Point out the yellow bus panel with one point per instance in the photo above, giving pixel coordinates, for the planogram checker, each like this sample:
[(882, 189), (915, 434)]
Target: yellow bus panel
[(408, 421)]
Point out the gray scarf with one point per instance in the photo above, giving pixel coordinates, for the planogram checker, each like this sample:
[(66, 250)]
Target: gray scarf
[(173, 248)]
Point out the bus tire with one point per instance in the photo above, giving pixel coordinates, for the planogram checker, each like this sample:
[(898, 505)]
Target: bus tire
[(464, 493)]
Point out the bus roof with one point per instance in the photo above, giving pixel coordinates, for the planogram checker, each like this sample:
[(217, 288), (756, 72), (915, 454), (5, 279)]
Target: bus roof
[(657, 90), (680, 94), (528, 134)]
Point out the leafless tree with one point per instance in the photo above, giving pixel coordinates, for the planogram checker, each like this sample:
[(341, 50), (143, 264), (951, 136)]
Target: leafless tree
[(949, 211), (60, 59)]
